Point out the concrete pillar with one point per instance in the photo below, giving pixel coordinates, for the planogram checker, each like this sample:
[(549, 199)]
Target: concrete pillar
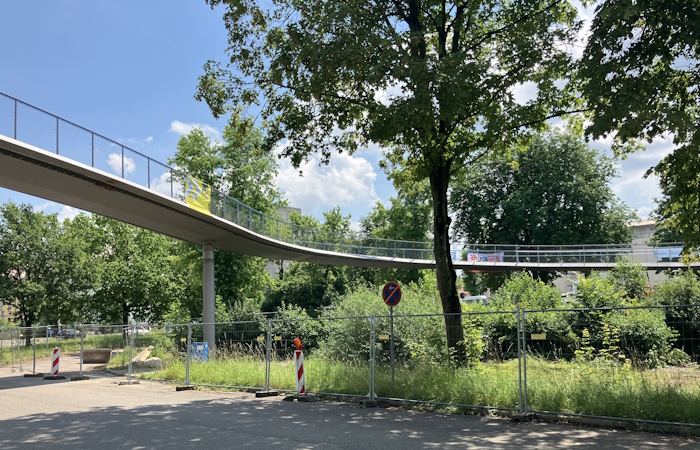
[(208, 296)]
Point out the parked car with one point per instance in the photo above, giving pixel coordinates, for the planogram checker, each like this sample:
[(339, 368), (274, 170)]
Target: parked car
[(67, 333), (138, 330)]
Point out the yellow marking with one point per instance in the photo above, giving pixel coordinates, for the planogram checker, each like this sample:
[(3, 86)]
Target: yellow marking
[(383, 337), (538, 337), (278, 338), (261, 338)]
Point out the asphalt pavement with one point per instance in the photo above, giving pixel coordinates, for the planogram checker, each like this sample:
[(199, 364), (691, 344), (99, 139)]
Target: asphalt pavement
[(100, 414)]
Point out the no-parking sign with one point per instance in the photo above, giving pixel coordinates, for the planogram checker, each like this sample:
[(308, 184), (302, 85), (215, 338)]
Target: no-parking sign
[(391, 293)]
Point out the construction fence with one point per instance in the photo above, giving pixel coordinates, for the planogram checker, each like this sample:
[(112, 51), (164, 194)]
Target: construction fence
[(636, 363)]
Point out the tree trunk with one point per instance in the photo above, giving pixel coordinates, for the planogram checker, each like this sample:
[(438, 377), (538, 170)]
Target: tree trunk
[(446, 275)]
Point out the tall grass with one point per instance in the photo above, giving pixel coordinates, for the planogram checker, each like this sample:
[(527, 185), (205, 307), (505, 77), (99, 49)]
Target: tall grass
[(596, 388)]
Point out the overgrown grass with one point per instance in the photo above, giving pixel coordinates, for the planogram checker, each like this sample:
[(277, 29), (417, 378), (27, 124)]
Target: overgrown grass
[(596, 388)]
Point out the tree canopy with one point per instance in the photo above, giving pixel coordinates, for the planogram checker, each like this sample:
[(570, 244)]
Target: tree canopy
[(432, 82), (641, 81)]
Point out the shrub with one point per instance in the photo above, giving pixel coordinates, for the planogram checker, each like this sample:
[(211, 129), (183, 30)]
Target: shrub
[(596, 291), (629, 276), (644, 336), (677, 357)]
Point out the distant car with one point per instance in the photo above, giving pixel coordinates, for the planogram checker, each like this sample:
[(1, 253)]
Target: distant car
[(67, 333), (138, 330)]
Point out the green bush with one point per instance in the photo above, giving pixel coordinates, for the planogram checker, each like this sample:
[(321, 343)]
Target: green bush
[(644, 336), (678, 357), (630, 277), (681, 289), (596, 291)]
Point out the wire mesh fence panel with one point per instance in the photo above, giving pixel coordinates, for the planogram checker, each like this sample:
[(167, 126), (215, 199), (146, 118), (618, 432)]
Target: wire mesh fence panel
[(238, 360), (336, 354), (481, 370), (633, 362)]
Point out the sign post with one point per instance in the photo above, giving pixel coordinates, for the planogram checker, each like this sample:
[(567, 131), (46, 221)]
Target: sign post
[(391, 293)]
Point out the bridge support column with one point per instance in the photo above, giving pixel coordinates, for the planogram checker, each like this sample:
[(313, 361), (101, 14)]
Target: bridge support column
[(208, 297)]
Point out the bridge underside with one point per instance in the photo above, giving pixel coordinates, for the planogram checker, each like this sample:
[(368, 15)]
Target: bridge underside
[(36, 172)]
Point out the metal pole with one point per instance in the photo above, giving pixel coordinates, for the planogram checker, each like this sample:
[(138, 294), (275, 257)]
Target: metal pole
[(34, 350), (12, 350), (57, 135), (93, 149), (391, 308), (47, 338), (131, 350), (525, 407), (520, 369), (2, 340), (82, 344), (238, 213), (15, 136), (371, 358), (278, 229), (268, 354), (172, 192), (19, 354), (189, 351), (149, 173)]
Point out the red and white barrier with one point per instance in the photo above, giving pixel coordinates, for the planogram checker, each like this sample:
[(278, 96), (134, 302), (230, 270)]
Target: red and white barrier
[(299, 367), (54, 361)]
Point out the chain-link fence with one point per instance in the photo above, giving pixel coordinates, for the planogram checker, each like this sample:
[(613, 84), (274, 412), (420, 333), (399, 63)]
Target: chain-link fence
[(636, 362)]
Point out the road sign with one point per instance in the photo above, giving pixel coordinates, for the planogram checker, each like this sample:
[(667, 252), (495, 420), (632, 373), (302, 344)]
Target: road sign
[(391, 293)]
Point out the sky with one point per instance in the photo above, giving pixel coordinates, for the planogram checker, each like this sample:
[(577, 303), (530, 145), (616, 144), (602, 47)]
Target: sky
[(128, 70)]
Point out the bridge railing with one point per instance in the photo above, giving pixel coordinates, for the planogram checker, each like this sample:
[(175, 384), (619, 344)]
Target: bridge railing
[(35, 126)]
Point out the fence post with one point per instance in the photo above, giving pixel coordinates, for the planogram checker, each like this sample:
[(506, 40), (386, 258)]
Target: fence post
[(371, 358), (268, 354), (34, 350), (524, 347), (520, 369), (2, 340), (131, 350), (12, 351), (82, 344), (189, 345), (47, 337), (19, 349)]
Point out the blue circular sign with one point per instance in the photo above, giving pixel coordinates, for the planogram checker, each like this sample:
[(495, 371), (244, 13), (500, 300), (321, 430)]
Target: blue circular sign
[(391, 293)]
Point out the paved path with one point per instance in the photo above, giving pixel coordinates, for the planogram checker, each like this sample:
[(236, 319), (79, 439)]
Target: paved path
[(99, 414)]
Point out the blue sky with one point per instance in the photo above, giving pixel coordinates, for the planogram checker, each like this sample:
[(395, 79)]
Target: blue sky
[(128, 70)]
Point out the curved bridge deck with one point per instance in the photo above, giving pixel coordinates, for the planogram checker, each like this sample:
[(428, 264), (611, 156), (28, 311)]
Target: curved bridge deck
[(48, 157)]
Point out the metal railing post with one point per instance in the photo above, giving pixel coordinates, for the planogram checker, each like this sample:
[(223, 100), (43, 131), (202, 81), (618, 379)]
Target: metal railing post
[(149, 172), (278, 229), (268, 354), (93, 149), (2, 340), (238, 213), (57, 119), (15, 135), (189, 352), (47, 337)]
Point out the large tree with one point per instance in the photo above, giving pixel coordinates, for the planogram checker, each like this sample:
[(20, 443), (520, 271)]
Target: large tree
[(238, 167), (554, 191), (431, 81), (43, 267), (642, 81)]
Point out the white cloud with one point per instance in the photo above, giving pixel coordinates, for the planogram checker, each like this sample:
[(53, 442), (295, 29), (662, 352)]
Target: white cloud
[(347, 181), (68, 212), (161, 184), (137, 142), (44, 206), (182, 128), (632, 188), (115, 162), (524, 92)]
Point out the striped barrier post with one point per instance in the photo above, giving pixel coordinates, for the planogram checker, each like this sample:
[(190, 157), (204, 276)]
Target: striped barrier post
[(299, 367), (55, 357)]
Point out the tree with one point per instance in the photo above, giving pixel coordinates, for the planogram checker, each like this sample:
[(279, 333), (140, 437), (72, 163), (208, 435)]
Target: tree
[(135, 272), (640, 79), (308, 285), (409, 219), (430, 81), (554, 191), (239, 168)]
